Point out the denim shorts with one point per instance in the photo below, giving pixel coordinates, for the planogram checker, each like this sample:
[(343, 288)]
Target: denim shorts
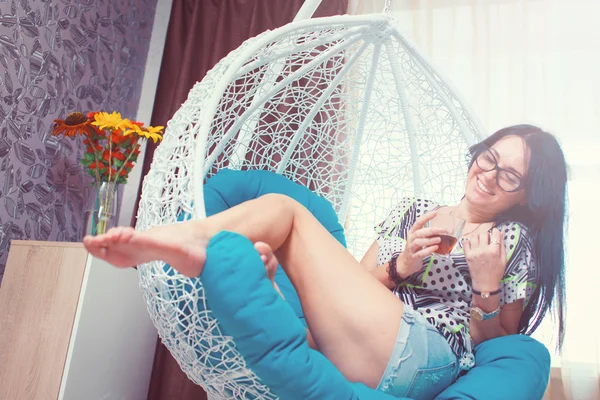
[(422, 363)]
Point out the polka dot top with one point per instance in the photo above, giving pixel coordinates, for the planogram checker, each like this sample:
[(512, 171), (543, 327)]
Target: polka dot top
[(441, 290)]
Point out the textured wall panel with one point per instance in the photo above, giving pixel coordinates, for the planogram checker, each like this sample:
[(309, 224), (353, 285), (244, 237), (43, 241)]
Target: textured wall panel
[(59, 56)]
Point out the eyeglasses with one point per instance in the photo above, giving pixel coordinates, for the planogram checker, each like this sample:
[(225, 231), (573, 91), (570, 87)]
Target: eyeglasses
[(506, 180)]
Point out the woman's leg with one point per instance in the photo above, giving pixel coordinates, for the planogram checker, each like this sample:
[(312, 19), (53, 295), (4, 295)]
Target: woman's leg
[(271, 263), (353, 319)]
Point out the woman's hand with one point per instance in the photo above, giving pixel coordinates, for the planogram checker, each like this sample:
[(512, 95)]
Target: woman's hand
[(420, 243), (486, 259)]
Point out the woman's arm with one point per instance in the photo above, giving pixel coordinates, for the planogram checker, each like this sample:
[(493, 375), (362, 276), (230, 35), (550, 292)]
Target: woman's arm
[(369, 263), (491, 270), (382, 275), (506, 323), (420, 242), (369, 260)]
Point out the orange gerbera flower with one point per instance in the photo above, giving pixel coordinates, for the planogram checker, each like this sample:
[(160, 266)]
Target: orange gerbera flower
[(75, 124)]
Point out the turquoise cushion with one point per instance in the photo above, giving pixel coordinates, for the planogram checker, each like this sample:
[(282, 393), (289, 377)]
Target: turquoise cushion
[(265, 329), (275, 348), (514, 367), (229, 188)]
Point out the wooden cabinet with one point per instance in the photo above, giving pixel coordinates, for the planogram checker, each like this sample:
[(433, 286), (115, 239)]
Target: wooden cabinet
[(71, 327)]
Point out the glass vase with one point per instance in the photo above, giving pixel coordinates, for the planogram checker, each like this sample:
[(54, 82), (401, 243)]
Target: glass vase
[(101, 208)]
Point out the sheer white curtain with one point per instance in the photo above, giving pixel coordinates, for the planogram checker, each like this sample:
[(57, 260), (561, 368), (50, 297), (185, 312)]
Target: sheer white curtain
[(533, 61)]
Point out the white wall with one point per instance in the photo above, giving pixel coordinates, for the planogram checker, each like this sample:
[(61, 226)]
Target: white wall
[(111, 352)]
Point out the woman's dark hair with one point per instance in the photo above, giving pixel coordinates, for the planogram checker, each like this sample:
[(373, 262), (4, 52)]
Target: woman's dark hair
[(544, 216)]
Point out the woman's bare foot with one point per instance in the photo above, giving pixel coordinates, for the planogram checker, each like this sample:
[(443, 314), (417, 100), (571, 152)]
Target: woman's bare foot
[(178, 245), (270, 261)]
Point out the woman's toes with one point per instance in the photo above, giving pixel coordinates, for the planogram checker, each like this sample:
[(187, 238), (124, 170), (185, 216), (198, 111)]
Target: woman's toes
[(263, 248), (114, 234), (88, 240), (96, 251), (92, 242)]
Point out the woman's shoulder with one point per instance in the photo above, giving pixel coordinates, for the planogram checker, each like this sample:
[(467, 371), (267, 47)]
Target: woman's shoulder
[(517, 237), (418, 202), (406, 211), (513, 228)]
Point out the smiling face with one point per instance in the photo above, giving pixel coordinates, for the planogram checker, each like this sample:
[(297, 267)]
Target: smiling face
[(487, 186)]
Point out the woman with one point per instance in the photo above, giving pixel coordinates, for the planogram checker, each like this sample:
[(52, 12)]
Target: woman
[(415, 347)]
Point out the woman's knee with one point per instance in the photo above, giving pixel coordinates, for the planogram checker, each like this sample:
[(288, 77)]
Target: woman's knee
[(283, 201)]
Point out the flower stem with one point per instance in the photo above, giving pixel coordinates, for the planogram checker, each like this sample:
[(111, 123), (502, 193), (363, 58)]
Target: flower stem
[(133, 150), (104, 202), (94, 143), (111, 191), (110, 145), (104, 211), (95, 223)]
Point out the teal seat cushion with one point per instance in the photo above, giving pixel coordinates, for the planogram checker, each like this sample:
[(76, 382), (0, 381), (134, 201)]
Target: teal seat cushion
[(265, 329), (270, 332), (229, 188), (514, 367), (274, 347)]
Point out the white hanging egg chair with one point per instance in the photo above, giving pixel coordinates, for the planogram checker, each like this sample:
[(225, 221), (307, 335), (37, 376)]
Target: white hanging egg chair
[(344, 105)]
